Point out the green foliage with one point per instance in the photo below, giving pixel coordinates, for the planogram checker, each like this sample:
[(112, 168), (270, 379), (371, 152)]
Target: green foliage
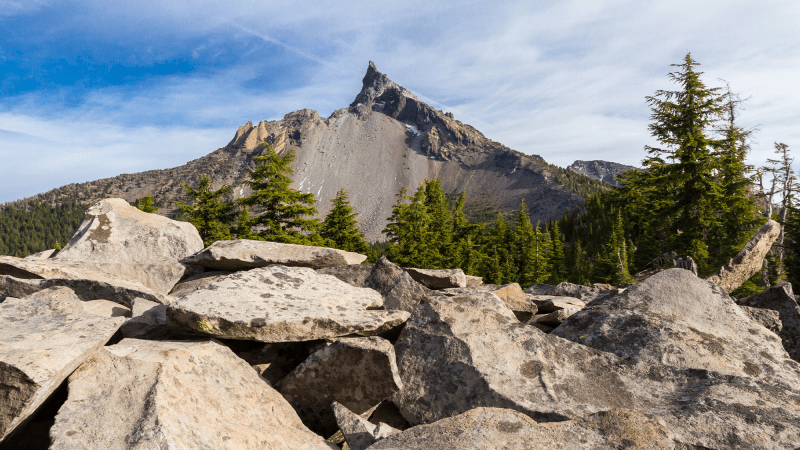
[(791, 261), (211, 212), (146, 204), (340, 227), (24, 231)]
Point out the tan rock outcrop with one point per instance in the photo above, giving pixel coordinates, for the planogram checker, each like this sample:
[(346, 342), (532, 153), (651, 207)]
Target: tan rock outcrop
[(352, 274), (438, 279), (405, 293), (748, 261), (781, 298)]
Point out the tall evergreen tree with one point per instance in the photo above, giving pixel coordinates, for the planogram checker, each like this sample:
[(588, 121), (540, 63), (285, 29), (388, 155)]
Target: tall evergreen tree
[(441, 224), (524, 242), (146, 204), (558, 268), (340, 227), (540, 264), (209, 211), (409, 230)]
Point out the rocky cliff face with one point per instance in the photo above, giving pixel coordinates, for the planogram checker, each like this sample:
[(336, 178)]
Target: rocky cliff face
[(600, 170), (385, 140)]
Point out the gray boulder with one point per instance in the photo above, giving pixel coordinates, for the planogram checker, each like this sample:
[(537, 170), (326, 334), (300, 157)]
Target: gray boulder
[(43, 338), (281, 304), (149, 321), (555, 318), (438, 278), (358, 432), (352, 274), (551, 303), (244, 254), (197, 281), (43, 254), (748, 261), (767, 318), (460, 353), (384, 273), (358, 373), (473, 281), (781, 299), (405, 293), (183, 395), (582, 293), (540, 289), (678, 319)]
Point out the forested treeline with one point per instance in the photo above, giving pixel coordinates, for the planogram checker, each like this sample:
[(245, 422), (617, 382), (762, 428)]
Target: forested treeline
[(40, 227)]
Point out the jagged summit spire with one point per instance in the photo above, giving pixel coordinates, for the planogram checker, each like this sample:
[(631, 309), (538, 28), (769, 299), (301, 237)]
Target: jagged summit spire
[(375, 84)]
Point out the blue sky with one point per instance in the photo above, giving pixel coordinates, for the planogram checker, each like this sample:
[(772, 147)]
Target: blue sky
[(92, 89)]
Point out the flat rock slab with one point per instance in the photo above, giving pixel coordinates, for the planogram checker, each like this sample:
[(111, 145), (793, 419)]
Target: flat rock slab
[(358, 373), (498, 428), (352, 274), (583, 293), (182, 395), (244, 254), (405, 293), (114, 231), (438, 278), (679, 319), (511, 294), (460, 353), (540, 289), (555, 318), (552, 303), (748, 261), (43, 338), (282, 304), (781, 299), (358, 432)]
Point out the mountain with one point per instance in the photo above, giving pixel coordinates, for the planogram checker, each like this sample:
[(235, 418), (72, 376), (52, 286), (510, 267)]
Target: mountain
[(605, 171), (386, 139)]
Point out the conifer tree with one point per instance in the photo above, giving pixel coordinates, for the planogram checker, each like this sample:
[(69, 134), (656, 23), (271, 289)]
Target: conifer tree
[(441, 224), (145, 204), (286, 211), (340, 227), (409, 231), (558, 269), (540, 264), (524, 240), (208, 211)]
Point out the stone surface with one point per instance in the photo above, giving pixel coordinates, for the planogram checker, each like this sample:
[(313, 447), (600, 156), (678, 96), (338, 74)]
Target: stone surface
[(498, 428), (352, 274), (42, 255), (273, 361), (358, 432), (438, 278), (749, 259), (405, 293), (551, 303), (555, 318), (460, 353), (582, 293), (281, 304), (175, 395), (148, 321), (384, 273), (781, 299), (105, 308), (767, 318), (198, 281), (244, 254), (473, 281), (358, 373), (678, 319), (511, 294), (43, 338), (540, 289)]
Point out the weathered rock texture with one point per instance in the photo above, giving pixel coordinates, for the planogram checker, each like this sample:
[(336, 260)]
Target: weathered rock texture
[(781, 299), (749, 259), (358, 432), (600, 170), (182, 395), (358, 373), (273, 361), (352, 274), (555, 318), (540, 289), (383, 276), (281, 304), (438, 279), (767, 318), (583, 293), (460, 353), (405, 293), (511, 294), (43, 338), (551, 303), (678, 319), (244, 254), (497, 428)]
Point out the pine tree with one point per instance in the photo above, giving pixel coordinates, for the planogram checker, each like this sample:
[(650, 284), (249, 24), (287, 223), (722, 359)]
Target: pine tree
[(285, 210), (146, 204), (208, 211), (540, 264), (341, 228), (524, 241), (558, 269), (409, 231), (441, 224)]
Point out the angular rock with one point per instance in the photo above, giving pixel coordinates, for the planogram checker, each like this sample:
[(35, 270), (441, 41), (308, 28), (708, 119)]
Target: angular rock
[(551, 303), (182, 395), (43, 254), (198, 281), (352, 274), (273, 361), (685, 263), (358, 373), (281, 304), (244, 254), (438, 278), (149, 321), (781, 299), (582, 293), (43, 338), (405, 293), (105, 308), (384, 273), (555, 318), (678, 319), (460, 353), (749, 259), (540, 289), (767, 318), (358, 432), (116, 232), (473, 281), (498, 428)]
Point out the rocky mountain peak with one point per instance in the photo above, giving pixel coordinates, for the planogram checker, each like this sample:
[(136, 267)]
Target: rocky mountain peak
[(374, 85)]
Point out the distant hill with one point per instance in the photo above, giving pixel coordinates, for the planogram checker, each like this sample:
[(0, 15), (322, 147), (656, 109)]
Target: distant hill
[(600, 170)]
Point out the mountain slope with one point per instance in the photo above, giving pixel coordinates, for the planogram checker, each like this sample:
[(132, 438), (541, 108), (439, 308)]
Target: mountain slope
[(600, 170)]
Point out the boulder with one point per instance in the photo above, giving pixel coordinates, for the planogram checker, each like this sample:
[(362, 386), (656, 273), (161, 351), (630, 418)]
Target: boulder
[(551, 303), (43, 338), (460, 353), (582, 293), (473, 281), (498, 428), (540, 289), (781, 299), (384, 273), (511, 294), (244, 254), (555, 318), (352, 274), (113, 231), (767, 318), (281, 304), (197, 281), (273, 361), (43, 254), (358, 373), (438, 278), (182, 395), (405, 293), (748, 261), (358, 432), (148, 321), (679, 319)]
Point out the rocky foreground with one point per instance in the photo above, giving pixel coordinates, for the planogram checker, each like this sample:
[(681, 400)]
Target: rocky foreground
[(134, 336)]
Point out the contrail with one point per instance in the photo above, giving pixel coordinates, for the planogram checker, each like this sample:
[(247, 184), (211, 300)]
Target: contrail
[(291, 48)]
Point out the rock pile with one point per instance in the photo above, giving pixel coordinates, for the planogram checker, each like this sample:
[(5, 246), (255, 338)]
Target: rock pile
[(247, 345)]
